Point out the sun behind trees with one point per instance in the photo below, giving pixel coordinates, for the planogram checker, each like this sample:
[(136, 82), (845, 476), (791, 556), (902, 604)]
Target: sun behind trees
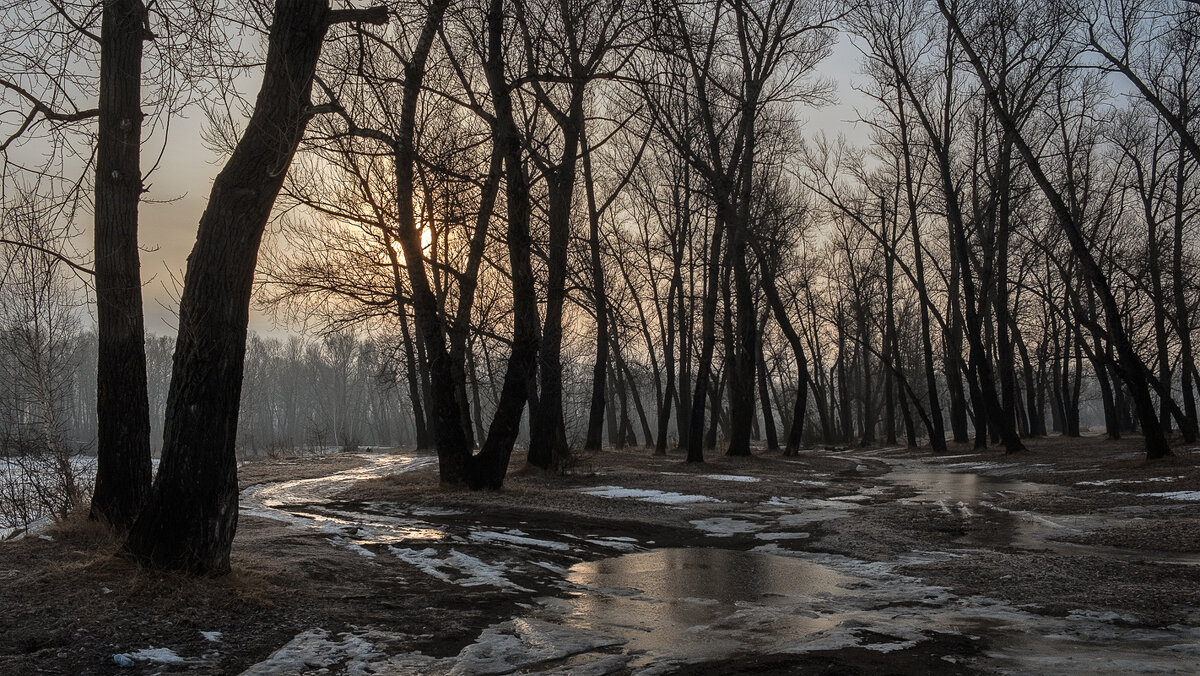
[(597, 219)]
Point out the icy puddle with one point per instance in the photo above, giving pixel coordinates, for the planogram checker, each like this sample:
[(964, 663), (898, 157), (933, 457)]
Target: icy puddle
[(714, 602)]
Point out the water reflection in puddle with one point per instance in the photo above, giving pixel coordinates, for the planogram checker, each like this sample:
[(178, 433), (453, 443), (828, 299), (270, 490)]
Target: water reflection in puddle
[(967, 494), (966, 487), (713, 601)]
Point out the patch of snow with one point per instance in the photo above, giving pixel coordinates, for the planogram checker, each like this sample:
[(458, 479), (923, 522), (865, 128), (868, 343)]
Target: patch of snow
[(517, 537), (725, 527), (360, 652), (522, 642), (557, 570), (214, 636), (425, 559), (647, 495), (978, 466), (809, 482), (1110, 482), (474, 572), (151, 654), (1187, 496), (613, 543), (346, 543), (731, 477)]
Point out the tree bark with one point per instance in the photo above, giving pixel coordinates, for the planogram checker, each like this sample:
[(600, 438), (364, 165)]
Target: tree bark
[(123, 467), (190, 517)]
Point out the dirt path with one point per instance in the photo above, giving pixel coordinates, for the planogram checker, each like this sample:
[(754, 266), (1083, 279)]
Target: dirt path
[(1075, 557)]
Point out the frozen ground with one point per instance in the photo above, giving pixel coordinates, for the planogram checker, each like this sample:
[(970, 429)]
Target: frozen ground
[(854, 560)]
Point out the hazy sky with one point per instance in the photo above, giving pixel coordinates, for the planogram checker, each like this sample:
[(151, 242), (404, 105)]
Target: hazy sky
[(185, 175)]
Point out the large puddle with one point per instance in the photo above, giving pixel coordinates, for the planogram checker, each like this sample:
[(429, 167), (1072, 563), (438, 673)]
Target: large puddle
[(967, 488), (713, 601)]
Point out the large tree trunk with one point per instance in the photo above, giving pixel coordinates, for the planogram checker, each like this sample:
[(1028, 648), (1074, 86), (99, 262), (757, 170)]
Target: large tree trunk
[(191, 515), (547, 447), (123, 468), (460, 328), (520, 377)]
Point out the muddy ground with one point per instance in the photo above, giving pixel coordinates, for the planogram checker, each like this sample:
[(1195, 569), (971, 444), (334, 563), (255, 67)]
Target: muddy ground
[(969, 563)]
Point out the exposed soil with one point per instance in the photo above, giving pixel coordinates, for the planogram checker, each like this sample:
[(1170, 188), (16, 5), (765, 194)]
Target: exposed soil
[(71, 602)]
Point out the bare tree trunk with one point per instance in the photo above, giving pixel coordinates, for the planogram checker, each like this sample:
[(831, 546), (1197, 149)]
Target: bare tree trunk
[(1183, 324), (520, 387), (764, 392), (594, 439), (190, 518), (707, 343), (123, 468), (937, 429)]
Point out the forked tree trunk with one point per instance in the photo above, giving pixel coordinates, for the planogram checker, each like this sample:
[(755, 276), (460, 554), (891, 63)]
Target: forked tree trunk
[(191, 515), (487, 469), (122, 407)]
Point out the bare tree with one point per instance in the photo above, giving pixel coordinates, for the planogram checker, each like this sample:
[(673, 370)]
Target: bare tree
[(190, 517)]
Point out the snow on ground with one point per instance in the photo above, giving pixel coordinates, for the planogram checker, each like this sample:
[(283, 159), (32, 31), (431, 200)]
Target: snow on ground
[(724, 526), (457, 567), (732, 477), (502, 648), (1110, 482), (151, 654), (1189, 496), (646, 495), (517, 537)]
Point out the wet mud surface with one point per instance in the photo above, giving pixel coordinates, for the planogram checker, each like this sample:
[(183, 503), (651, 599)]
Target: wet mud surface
[(1075, 557)]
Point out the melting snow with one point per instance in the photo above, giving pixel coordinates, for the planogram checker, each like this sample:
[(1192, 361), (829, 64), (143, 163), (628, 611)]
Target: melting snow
[(517, 537), (474, 571), (1189, 496), (731, 477), (151, 654), (724, 527), (647, 495), (214, 636), (520, 643)]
